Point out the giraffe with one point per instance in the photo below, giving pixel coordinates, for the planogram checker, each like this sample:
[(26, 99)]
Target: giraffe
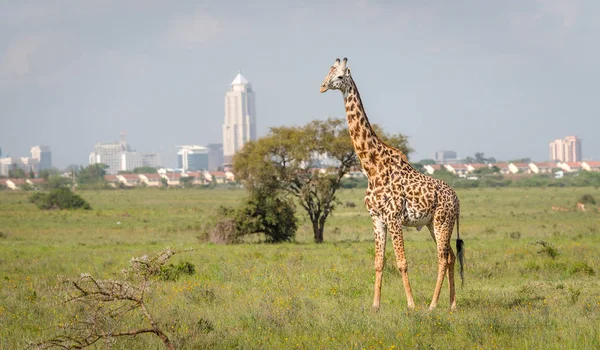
[(397, 195)]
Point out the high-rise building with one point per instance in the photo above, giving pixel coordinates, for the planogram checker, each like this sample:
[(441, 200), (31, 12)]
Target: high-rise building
[(443, 157), (192, 158), (566, 150), (215, 156), (240, 117), (118, 156), (43, 157)]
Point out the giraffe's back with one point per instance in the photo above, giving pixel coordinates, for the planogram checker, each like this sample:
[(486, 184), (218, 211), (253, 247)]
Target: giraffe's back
[(406, 194)]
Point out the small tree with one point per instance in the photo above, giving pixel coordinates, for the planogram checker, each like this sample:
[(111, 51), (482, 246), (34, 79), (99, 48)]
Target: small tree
[(44, 174), (186, 181), (92, 175), (16, 173)]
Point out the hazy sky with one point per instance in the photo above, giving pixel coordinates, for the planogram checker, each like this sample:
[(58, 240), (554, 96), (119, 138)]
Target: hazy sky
[(499, 77)]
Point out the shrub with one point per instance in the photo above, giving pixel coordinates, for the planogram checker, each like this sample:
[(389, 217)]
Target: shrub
[(59, 198), (262, 212), (587, 199), (267, 213), (173, 272), (547, 249)]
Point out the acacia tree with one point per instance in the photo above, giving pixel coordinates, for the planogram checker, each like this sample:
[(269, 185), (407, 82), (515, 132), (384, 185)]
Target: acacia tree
[(306, 162)]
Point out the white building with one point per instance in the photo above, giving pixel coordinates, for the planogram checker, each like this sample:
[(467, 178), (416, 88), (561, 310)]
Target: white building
[(110, 154), (43, 157), (192, 158), (118, 156), (6, 164), (566, 150), (40, 159), (240, 117)]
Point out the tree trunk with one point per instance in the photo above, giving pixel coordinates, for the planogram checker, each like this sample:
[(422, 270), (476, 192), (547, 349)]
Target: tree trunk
[(317, 231)]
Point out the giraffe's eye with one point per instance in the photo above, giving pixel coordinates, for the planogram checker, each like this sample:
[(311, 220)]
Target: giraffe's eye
[(340, 76)]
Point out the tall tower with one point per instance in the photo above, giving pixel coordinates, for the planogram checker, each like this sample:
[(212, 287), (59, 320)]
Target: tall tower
[(240, 117), (566, 150)]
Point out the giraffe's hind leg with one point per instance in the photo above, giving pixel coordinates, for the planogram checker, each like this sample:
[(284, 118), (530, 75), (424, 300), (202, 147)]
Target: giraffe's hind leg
[(443, 233)]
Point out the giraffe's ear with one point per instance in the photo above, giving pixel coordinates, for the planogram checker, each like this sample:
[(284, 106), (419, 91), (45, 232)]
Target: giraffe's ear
[(348, 72)]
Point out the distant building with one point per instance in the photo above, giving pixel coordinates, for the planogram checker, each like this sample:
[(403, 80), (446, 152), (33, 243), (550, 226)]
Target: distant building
[(131, 160), (118, 156), (457, 169), (6, 165), (11, 163), (240, 117), (566, 150), (215, 156), (192, 158), (43, 157), (445, 157)]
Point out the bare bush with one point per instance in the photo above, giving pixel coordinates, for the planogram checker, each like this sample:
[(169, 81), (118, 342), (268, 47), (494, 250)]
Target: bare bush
[(223, 232), (108, 308)]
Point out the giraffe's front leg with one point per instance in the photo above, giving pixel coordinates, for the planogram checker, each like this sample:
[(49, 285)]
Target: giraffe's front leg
[(395, 229), (380, 235)]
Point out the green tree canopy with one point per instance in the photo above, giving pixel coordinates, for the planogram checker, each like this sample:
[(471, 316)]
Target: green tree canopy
[(92, 174), (145, 170), (16, 173), (427, 161), (306, 162)]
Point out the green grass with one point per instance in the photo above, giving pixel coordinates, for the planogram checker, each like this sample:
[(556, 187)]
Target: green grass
[(303, 295)]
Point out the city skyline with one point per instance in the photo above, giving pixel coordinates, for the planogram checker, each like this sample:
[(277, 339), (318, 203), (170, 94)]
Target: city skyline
[(498, 78)]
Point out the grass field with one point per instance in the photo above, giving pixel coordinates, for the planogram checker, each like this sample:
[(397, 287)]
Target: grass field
[(303, 295)]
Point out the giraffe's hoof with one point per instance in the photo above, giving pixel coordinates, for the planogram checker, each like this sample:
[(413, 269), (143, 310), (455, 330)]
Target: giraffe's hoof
[(432, 307), (375, 308), (411, 306), (453, 308)]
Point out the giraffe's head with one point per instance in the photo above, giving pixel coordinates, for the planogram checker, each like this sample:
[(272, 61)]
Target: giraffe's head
[(338, 77)]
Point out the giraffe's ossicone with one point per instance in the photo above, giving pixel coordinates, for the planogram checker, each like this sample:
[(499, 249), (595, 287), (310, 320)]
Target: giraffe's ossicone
[(398, 195)]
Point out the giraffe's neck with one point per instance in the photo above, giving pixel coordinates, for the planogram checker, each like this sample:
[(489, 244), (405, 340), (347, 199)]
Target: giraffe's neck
[(367, 145)]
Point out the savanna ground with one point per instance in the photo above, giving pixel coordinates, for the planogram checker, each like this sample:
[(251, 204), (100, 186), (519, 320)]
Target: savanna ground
[(304, 295)]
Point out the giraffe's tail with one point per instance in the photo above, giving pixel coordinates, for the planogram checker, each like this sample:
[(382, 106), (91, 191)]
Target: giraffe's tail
[(460, 250)]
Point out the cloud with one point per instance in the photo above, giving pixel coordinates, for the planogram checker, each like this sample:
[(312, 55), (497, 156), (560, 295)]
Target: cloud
[(197, 29), (32, 56)]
